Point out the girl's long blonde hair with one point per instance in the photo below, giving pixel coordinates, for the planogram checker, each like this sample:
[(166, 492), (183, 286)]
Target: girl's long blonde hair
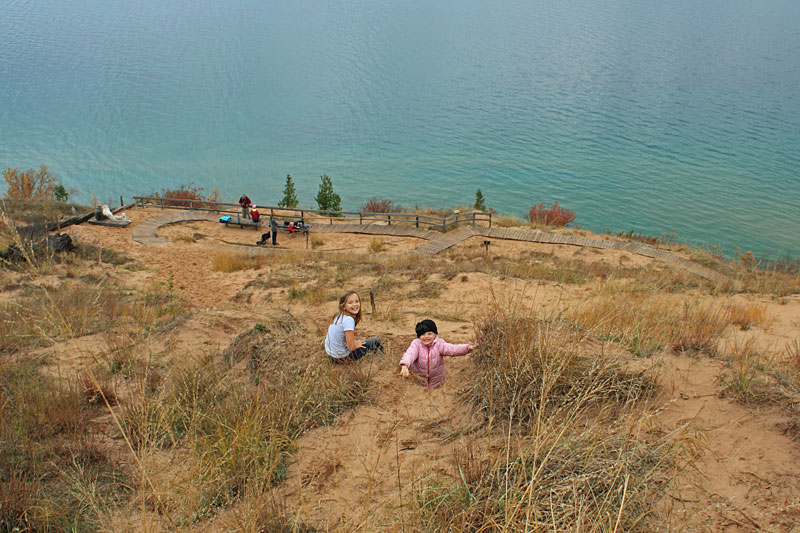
[(342, 299)]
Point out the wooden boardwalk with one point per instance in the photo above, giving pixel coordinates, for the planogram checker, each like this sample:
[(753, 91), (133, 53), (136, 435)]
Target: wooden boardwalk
[(145, 233)]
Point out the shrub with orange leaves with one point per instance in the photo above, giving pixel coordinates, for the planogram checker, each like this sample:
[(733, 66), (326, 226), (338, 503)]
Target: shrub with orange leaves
[(30, 184), (184, 196), (380, 205), (551, 216)]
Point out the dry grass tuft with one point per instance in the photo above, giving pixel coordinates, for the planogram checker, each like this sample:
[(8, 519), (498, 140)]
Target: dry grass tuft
[(747, 315), (508, 221), (240, 432), (233, 261), (50, 451), (377, 245), (793, 353), (647, 324), (595, 479), (45, 315), (743, 381), (698, 330), (578, 455), (532, 367)]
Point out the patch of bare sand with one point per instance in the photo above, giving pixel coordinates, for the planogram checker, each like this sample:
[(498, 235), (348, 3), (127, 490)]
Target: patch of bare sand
[(748, 474)]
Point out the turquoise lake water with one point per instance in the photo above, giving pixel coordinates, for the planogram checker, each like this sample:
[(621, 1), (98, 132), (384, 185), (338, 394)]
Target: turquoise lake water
[(648, 115)]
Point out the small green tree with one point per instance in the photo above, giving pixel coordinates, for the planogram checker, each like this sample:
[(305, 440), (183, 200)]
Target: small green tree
[(480, 204), (289, 194), (60, 193), (327, 200)]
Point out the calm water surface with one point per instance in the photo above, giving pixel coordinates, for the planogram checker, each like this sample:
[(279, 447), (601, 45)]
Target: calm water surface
[(647, 115)]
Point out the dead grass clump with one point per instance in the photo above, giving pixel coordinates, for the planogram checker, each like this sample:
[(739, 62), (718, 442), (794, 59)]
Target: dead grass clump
[(580, 452), (238, 414), (44, 315), (744, 358), (233, 261), (793, 353), (529, 367), (89, 252), (647, 323), (49, 452), (508, 221), (699, 329), (778, 278), (376, 245), (560, 479), (17, 503), (316, 241), (747, 379), (747, 315), (258, 511)]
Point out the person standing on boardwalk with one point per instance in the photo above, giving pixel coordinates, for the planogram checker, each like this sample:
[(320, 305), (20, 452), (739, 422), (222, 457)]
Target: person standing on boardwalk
[(273, 227), (245, 202)]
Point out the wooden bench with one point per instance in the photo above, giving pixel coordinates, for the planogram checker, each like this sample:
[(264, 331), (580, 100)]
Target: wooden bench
[(244, 222)]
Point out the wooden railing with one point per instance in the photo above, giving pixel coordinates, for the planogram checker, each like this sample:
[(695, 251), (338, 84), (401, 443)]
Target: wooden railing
[(442, 223)]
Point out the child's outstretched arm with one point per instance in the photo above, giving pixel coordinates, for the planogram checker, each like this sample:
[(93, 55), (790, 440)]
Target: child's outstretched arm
[(411, 355), (454, 350)]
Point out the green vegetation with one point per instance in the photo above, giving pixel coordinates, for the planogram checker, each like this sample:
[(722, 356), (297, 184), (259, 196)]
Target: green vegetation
[(326, 199), (289, 199), (480, 203)]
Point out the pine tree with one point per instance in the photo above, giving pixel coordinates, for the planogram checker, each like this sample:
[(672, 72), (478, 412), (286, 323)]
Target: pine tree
[(480, 204), (327, 200), (289, 194)]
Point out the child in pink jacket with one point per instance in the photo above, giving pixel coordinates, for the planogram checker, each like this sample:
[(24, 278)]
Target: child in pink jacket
[(425, 356)]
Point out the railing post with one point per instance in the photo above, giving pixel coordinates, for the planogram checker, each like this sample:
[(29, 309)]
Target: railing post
[(417, 220), (360, 218), (389, 218), (490, 220), (162, 203)]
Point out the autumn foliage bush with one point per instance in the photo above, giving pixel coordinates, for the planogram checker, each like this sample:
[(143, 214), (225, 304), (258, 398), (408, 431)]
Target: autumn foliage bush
[(379, 205), (184, 196), (30, 184), (551, 216)]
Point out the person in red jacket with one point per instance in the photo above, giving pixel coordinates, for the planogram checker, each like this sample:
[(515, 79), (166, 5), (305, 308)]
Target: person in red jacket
[(254, 214), (245, 202), (425, 356)]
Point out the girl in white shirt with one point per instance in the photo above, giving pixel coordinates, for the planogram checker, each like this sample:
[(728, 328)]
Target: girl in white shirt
[(340, 343)]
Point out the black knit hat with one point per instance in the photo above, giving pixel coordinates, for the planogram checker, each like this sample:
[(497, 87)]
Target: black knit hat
[(425, 326)]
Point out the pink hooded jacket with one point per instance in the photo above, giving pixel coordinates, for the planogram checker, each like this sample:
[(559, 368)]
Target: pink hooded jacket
[(428, 361)]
